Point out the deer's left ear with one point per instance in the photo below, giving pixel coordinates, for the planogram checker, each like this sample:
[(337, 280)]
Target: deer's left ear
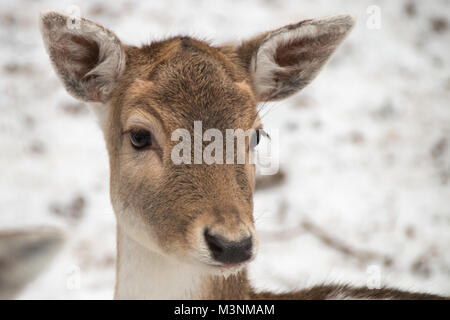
[(88, 58), (283, 61)]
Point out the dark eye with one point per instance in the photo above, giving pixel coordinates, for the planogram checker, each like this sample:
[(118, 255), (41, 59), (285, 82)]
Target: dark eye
[(140, 139), (255, 138)]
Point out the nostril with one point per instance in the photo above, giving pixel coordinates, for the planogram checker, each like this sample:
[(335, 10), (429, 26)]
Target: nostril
[(215, 244), (226, 251)]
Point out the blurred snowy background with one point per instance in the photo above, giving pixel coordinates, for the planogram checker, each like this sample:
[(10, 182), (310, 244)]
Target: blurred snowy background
[(364, 190)]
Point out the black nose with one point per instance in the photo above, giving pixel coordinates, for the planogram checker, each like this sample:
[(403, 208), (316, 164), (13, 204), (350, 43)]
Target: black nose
[(229, 252)]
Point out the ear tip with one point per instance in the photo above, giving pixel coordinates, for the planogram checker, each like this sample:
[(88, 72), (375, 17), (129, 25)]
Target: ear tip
[(341, 24), (48, 18), (351, 18), (50, 14), (348, 20)]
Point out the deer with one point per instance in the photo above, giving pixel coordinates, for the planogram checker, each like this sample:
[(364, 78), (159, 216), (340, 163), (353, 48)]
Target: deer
[(24, 254), (186, 231)]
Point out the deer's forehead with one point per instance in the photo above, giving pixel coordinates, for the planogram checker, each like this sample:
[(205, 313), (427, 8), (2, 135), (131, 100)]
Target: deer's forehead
[(178, 99)]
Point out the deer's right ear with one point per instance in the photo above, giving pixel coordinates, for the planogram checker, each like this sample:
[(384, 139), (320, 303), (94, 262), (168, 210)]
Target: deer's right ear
[(283, 61), (88, 58)]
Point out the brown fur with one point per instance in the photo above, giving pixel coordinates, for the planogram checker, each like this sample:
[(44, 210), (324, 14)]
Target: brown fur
[(178, 95), (322, 292)]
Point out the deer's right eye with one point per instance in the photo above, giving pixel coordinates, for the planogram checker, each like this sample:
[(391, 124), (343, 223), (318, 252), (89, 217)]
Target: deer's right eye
[(140, 139)]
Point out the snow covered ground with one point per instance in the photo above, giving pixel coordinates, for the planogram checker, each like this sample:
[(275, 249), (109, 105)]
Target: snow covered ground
[(365, 148)]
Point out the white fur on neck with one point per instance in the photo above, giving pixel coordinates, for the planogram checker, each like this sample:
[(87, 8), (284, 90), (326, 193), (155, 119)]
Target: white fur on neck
[(144, 274)]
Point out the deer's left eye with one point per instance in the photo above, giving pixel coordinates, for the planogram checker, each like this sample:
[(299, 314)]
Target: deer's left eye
[(140, 139), (254, 139)]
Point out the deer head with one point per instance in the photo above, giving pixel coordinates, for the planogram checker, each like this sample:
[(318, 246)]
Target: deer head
[(198, 213)]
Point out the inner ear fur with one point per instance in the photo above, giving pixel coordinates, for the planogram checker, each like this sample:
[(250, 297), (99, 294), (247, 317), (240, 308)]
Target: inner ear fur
[(88, 58), (283, 61)]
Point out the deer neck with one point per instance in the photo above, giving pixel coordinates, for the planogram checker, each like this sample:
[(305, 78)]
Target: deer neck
[(145, 274)]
